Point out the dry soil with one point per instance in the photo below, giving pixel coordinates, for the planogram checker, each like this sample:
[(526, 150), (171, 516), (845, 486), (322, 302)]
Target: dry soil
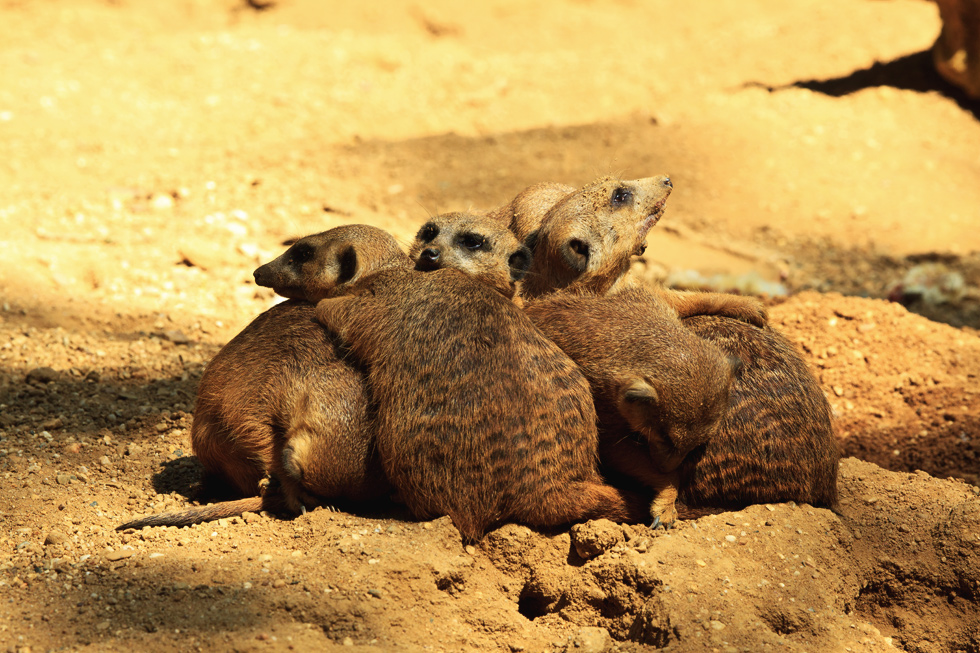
[(153, 154)]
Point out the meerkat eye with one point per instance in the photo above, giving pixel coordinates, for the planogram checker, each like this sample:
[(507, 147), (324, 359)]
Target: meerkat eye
[(621, 196), (641, 249), (300, 253), (579, 247), (472, 241), (427, 232)]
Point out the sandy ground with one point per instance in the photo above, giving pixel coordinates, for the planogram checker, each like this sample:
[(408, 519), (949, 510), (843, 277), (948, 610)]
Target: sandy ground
[(154, 153)]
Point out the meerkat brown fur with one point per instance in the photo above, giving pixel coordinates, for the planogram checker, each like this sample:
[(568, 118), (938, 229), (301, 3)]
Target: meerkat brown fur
[(479, 416), (523, 214), (279, 400), (649, 374), (777, 441)]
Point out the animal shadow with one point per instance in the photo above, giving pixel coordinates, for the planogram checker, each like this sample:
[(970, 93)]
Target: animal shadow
[(914, 72)]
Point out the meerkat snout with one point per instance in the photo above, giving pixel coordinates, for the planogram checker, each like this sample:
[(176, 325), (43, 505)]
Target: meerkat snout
[(429, 259)]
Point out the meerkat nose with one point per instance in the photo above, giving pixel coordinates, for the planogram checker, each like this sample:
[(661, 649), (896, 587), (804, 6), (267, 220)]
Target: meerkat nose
[(428, 259), (260, 274), (666, 182)]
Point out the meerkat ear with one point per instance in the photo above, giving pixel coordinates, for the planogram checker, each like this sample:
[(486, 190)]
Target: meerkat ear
[(519, 263), (348, 265), (638, 391), (639, 403)]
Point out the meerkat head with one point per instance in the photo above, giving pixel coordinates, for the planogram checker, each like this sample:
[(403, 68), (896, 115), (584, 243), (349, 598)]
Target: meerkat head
[(586, 240), (676, 417), (476, 245), (315, 266)]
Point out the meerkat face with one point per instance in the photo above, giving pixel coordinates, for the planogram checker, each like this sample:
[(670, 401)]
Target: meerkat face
[(478, 246), (588, 238), (315, 266)]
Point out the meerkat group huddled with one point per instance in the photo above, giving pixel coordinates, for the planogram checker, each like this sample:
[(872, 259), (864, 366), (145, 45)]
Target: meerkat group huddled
[(507, 369)]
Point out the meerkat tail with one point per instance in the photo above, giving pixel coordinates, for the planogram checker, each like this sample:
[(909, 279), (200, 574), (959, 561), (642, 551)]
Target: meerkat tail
[(198, 515)]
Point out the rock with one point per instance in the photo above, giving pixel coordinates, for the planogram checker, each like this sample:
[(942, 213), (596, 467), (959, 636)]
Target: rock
[(55, 537), (176, 337), (590, 640), (63, 479), (42, 375), (162, 201), (595, 537), (121, 554), (55, 423)]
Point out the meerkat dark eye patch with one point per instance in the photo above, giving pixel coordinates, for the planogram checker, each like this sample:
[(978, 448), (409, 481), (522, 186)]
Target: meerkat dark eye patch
[(640, 249), (580, 247), (621, 197), (474, 241), (519, 263), (300, 253), (348, 265), (531, 241), (427, 233)]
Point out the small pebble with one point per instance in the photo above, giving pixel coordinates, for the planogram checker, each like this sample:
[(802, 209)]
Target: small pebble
[(41, 375), (590, 639), (176, 337), (121, 554), (162, 201), (55, 537)]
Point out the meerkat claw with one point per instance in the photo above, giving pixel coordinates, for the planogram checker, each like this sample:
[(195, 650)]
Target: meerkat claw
[(302, 509), (656, 523)]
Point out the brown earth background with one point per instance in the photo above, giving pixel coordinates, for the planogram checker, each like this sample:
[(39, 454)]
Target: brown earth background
[(152, 154)]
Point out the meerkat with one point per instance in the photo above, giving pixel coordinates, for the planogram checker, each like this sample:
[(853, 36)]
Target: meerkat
[(280, 400), (476, 245), (777, 440), (582, 247), (585, 242), (649, 374), (478, 415), (323, 264)]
